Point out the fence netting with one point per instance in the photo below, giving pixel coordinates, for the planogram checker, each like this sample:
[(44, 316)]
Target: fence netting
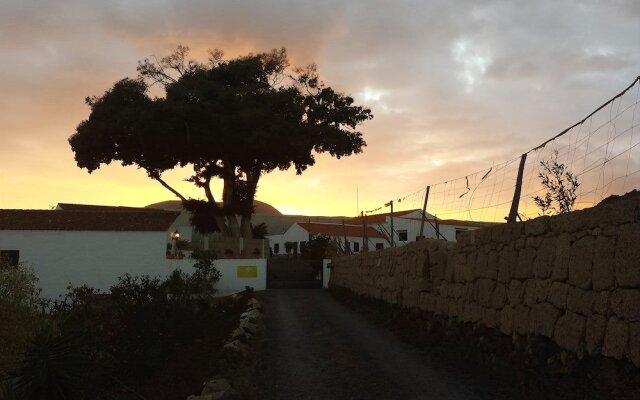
[(602, 152)]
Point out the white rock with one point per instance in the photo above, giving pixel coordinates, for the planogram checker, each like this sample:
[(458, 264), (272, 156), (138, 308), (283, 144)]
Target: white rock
[(216, 385)]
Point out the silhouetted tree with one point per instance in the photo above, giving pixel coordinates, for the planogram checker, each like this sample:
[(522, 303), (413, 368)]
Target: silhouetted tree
[(259, 231), (316, 248), (561, 187), (233, 120)]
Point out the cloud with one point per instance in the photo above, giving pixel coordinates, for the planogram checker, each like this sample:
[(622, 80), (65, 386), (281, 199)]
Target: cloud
[(454, 86)]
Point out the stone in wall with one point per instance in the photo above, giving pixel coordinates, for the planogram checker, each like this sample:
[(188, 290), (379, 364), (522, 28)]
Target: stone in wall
[(581, 262), (561, 264), (558, 295), (596, 327), (485, 288), (542, 290), (515, 293), (625, 303), (627, 256), (615, 339), (603, 275), (569, 332), (491, 270), (580, 301), (524, 268), (506, 320), (499, 296), (634, 343), (522, 320), (544, 317), (601, 303), (546, 254)]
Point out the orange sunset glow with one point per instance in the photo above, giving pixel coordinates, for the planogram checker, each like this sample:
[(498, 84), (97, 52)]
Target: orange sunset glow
[(454, 87)]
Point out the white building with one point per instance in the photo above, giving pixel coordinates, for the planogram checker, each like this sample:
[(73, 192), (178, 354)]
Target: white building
[(407, 226), (96, 246), (301, 232)]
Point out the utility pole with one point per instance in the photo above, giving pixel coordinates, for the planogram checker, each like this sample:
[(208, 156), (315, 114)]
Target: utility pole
[(513, 213), (393, 241), (424, 212), (365, 240)]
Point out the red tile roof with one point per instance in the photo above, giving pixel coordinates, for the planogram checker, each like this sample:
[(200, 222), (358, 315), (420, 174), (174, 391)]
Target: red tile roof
[(92, 207), (379, 218), (459, 222), (60, 220), (338, 230)]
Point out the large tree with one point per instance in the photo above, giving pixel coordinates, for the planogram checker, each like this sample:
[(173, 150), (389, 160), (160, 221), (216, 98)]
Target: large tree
[(233, 120)]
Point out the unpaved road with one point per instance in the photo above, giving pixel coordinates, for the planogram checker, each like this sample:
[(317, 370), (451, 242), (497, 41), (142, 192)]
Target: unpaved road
[(318, 349)]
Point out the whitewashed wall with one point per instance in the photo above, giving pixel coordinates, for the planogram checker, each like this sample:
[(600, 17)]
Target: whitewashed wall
[(326, 273), (98, 258), (230, 282), (95, 258), (297, 234), (412, 226)]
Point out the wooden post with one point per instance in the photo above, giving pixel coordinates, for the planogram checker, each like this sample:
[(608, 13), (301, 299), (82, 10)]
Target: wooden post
[(393, 241), (513, 213), (424, 212), (365, 241)]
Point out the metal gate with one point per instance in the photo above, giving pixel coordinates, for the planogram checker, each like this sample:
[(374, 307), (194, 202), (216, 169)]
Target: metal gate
[(293, 273)]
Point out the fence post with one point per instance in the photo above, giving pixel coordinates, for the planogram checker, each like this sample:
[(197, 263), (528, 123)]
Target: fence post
[(513, 213), (365, 240), (424, 212), (393, 241)]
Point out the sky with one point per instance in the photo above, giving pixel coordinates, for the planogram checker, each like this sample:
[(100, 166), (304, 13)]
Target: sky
[(454, 86)]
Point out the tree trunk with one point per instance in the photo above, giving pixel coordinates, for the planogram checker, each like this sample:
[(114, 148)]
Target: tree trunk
[(227, 200), (245, 227), (252, 185)]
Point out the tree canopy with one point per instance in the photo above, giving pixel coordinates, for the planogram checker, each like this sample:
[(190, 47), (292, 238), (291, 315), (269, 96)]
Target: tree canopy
[(233, 120)]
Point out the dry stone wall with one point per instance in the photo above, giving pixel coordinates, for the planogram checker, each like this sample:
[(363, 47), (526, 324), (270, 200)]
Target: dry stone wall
[(574, 278)]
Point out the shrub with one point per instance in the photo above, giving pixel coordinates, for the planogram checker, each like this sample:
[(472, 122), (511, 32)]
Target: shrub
[(560, 185), (56, 366), (317, 247), (19, 313)]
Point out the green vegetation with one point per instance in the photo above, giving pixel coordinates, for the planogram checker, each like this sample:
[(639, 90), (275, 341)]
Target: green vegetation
[(560, 186), (317, 247), (88, 345)]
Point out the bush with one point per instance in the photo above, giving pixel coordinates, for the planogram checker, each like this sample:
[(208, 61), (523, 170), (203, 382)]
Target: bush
[(87, 340), (317, 247), (19, 313)]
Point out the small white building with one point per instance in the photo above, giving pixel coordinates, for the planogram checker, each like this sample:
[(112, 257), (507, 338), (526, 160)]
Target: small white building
[(407, 226), (301, 232)]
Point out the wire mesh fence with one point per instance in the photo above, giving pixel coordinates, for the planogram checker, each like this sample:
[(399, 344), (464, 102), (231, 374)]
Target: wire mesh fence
[(602, 153)]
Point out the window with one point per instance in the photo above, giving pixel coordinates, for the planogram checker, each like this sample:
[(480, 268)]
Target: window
[(379, 246), (356, 246), (303, 247), (402, 235), (276, 248), (12, 257)]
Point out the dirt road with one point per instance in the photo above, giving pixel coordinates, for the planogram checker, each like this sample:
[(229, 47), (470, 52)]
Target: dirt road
[(318, 349)]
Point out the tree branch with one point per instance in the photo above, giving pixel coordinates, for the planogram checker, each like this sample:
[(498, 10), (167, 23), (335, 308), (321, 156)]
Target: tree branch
[(207, 190), (172, 190)]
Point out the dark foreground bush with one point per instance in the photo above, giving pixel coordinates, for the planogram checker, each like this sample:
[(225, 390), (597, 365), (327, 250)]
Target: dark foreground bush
[(94, 345)]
